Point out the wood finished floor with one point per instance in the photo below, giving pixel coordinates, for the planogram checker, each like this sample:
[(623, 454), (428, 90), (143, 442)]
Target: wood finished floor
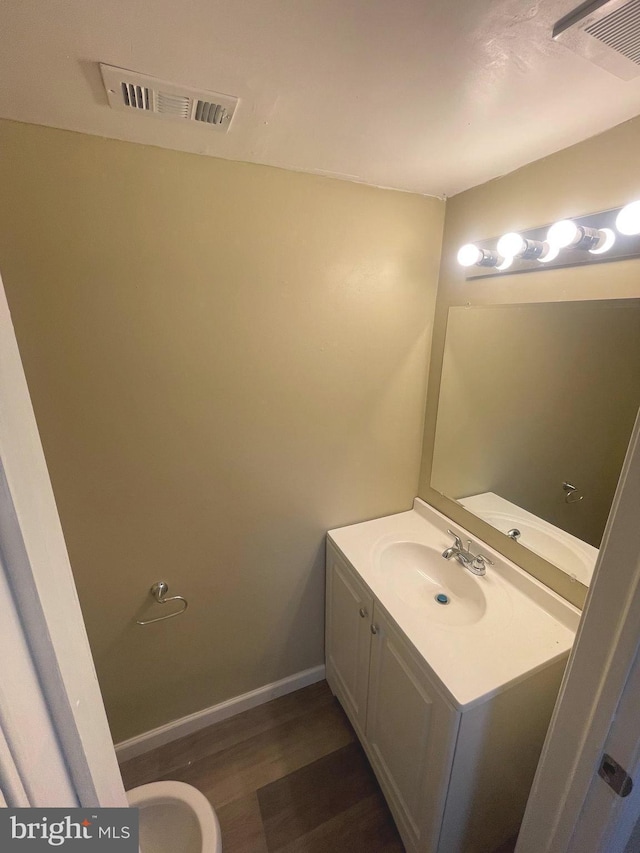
[(285, 777)]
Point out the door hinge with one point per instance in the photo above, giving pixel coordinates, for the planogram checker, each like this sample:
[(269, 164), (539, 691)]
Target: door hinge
[(615, 776)]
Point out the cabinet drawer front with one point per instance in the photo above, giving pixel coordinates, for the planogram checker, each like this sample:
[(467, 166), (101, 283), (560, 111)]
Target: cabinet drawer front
[(348, 636)]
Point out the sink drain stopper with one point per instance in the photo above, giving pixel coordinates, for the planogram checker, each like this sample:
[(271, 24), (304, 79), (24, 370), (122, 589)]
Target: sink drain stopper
[(441, 598)]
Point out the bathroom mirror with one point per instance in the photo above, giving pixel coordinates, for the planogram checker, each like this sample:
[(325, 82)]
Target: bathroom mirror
[(536, 407)]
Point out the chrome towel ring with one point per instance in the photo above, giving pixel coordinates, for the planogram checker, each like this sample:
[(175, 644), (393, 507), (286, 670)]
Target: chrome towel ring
[(159, 592), (571, 496)]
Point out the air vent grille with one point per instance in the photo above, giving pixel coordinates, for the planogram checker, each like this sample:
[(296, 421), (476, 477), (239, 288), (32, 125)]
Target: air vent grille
[(210, 113), (133, 92), (605, 33), (620, 30), (175, 105), (136, 96)]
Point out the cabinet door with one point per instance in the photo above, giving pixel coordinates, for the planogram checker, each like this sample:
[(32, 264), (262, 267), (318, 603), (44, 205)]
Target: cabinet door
[(348, 637), (411, 733)]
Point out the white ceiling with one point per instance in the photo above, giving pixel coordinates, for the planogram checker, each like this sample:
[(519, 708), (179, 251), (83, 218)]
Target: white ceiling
[(430, 96)]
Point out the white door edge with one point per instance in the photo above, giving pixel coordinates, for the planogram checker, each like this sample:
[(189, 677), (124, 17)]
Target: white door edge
[(40, 576)]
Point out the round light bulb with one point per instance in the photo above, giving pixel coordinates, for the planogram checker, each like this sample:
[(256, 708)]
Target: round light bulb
[(505, 263), (628, 220), (607, 239), (550, 253), (511, 244), (563, 234), (468, 255)]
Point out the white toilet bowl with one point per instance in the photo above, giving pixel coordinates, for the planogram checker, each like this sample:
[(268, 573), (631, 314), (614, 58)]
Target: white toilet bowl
[(175, 817)]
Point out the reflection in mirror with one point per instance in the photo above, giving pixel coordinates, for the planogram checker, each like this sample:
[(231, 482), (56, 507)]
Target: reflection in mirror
[(537, 403)]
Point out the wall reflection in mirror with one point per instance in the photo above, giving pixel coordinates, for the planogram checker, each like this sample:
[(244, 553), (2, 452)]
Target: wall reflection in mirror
[(536, 408)]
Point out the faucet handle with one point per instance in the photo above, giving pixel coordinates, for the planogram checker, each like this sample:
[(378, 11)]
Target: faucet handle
[(458, 541), (479, 565)]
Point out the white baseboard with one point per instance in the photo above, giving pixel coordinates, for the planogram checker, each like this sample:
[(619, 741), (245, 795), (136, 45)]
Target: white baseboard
[(201, 719)]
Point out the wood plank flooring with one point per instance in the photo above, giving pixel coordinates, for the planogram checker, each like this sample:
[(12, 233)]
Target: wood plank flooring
[(287, 776)]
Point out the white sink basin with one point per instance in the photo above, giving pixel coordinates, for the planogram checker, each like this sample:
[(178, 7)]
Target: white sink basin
[(419, 574), (494, 629)]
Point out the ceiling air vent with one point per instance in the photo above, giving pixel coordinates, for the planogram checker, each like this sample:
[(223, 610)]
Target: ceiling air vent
[(607, 33), (136, 96), (620, 30), (132, 92), (210, 113)]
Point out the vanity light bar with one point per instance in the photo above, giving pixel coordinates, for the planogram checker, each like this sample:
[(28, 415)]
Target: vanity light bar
[(605, 236)]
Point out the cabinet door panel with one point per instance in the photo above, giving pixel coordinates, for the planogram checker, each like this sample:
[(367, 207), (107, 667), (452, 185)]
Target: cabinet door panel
[(411, 733), (348, 637), (399, 724)]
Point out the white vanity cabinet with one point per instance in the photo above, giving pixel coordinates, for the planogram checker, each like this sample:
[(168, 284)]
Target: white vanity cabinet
[(455, 779)]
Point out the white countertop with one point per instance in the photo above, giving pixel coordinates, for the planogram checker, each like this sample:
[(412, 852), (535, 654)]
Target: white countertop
[(524, 627)]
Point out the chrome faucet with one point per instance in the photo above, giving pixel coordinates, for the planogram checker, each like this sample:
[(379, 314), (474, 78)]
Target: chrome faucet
[(476, 563)]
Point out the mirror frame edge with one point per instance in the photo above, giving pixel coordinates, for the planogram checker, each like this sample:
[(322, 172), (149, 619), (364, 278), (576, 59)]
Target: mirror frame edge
[(544, 571)]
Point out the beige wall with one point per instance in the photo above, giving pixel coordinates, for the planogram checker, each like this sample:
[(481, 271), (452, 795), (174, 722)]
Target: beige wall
[(599, 173), (225, 360)]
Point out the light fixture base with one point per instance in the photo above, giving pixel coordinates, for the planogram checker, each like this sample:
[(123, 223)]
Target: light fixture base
[(624, 247)]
